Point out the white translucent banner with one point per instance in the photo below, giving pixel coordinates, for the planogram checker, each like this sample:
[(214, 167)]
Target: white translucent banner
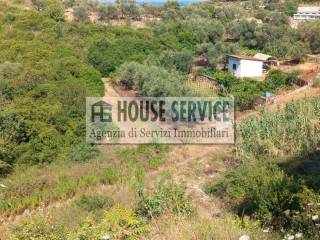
[(170, 120)]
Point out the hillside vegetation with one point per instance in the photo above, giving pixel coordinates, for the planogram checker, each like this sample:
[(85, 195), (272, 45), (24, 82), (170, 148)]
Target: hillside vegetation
[(54, 186)]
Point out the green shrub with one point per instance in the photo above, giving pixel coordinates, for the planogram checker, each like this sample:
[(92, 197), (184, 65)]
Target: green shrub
[(84, 152), (122, 223), (245, 91), (180, 61), (95, 202), (259, 189), (110, 175), (263, 191), (275, 79), (152, 80), (55, 11), (89, 230), (39, 229), (167, 197), (118, 223), (5, 168)]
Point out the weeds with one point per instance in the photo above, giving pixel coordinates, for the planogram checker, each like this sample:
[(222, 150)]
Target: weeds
[(167, 197), (94, 202)]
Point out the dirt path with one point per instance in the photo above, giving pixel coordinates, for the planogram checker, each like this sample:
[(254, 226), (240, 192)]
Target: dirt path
[(191, 165), (194, 165)]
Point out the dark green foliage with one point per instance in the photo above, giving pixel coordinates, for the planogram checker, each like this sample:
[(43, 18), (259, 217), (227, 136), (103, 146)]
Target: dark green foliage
[(277, 79), (181, 61), (289, 7), (263, 191), (39, 228), (245, 91), (81, 14), (44, 80), (312, 36), (84, 152), (206, 30), (95, 202), (107, 55), (167, 197), (152, 80), (56, 12), (276, 179)]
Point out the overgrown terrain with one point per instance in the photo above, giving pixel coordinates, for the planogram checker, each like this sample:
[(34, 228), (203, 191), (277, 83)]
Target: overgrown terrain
[(54, 186)]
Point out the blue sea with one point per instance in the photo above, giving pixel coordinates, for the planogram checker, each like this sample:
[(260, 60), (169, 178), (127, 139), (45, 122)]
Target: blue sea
[(158, 2)]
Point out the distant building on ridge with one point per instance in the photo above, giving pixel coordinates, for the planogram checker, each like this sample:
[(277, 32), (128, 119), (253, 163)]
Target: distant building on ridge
[(307, 13)]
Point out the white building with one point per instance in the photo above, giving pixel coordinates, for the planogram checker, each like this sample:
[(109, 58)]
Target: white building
[(245, 66), (307, 13)]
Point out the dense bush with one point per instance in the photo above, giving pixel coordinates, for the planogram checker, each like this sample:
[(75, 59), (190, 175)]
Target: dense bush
[(40, 229), (95, 202), (263, 191), (181, 61), (129, 45), (167, 197), (312, 36), (245, 91), (277, 79), (84, 152), (118, 223), (44, 79), (154, 81), (275, 180)]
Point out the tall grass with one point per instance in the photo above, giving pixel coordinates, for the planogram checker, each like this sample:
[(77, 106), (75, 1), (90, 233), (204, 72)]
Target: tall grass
[(286, 133), (41, 186)]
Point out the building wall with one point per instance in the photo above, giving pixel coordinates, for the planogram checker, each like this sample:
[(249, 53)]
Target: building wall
[(245, 68), (235, 61), (251, 68)]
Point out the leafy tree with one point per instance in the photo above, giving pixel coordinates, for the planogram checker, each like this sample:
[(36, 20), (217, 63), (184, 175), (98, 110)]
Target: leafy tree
[(181, 61), (289, 7), (275, 79), (108, 12), (56, 12), (277, 19), (244, 32), (227, 13), (152, 81), (205, 29), (298, 51), (128, 74), (217, 55), (171, 10), (128, 8), (81, 14), (312, 36), (107, 55)]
